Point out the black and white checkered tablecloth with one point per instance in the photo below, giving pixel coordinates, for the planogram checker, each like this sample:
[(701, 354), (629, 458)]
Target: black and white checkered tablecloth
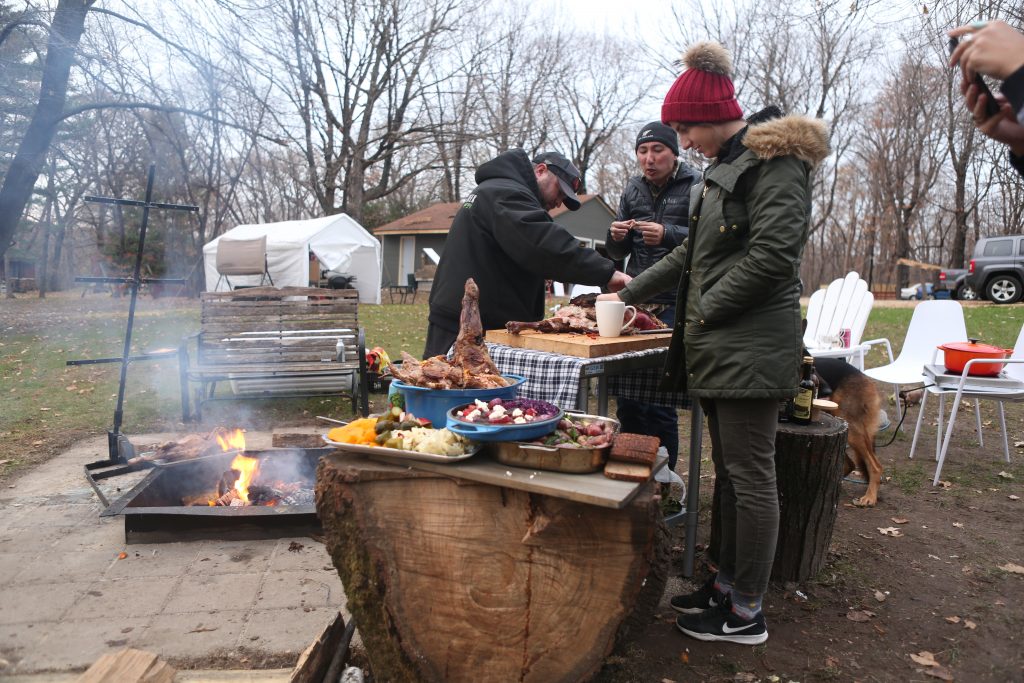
[(555, 378)]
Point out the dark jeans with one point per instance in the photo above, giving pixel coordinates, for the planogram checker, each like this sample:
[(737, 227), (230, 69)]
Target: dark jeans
[(743, 449), (644, 418)]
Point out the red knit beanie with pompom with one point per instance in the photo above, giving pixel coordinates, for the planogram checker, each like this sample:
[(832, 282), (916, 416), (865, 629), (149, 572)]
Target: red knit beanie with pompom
[(704, 93)]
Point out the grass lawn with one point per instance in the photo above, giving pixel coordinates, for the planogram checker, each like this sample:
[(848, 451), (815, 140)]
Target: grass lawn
[(46, 405)]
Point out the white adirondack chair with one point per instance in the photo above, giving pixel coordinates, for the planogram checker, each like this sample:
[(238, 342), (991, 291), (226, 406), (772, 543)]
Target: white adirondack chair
[(844, 304)]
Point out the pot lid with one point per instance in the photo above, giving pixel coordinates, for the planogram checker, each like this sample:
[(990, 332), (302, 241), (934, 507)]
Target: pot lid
[(972, 346)]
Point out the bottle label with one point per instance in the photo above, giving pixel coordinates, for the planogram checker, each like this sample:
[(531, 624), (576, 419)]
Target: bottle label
[(802, 405)]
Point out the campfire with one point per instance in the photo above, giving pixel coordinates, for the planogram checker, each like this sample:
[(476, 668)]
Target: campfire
[(213, 487), (245, 484)]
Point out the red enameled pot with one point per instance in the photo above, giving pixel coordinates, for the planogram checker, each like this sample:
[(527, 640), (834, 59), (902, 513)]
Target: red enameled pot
[(958, 353)]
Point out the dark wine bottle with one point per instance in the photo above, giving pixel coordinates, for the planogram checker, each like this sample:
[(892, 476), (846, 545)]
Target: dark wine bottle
[(804, 394)]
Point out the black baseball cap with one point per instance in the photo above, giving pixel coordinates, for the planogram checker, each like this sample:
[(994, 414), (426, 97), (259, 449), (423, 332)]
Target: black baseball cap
[(568, 176)]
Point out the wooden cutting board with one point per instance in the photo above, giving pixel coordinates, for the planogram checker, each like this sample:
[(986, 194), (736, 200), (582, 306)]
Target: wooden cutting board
[(579, 345)]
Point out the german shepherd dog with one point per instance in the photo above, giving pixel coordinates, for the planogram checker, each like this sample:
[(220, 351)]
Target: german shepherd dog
[(860, 406)]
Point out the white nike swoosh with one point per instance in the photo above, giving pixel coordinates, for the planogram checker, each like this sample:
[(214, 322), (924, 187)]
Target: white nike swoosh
[(727, 629)]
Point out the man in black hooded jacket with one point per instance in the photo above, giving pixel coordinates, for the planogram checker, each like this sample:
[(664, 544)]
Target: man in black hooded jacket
[(504, 238)]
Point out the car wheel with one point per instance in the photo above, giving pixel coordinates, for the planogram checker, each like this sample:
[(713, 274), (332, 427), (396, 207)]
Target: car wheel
[(966, 293), (1003, 289)]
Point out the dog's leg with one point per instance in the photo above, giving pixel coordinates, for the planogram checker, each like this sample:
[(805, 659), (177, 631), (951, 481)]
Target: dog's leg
[(863, 444)]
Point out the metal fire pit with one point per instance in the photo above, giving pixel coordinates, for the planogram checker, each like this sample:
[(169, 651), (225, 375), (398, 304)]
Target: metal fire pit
[(153, 511)]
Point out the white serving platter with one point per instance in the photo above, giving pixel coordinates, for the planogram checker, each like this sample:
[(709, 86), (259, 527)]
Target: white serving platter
[(397, 453)]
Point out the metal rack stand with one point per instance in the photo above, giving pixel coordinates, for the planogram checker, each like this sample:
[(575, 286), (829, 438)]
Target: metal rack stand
[(119, 449)]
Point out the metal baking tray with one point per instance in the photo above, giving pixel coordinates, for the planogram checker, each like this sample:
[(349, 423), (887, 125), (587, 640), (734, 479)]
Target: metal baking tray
[(944, 379), (551, 458)]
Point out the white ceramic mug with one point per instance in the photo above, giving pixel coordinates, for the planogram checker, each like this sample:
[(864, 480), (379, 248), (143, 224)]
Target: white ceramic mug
[(611, 317)]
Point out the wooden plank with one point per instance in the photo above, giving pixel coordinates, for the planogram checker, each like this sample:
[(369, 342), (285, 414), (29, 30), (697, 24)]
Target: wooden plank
[(592, 489), (579, 345), (279, 293), (316, 659), (129, 666)]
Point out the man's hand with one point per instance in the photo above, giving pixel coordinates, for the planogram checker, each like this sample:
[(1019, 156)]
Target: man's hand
[(652, 233), (995, 49), (620, 229), (618, 281), (608, 297), (1003, 127)]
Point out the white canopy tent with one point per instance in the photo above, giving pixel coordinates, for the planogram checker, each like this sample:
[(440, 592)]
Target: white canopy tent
[(338, 242)]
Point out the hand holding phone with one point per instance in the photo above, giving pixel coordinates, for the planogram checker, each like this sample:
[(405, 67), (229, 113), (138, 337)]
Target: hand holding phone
[(991, 105)]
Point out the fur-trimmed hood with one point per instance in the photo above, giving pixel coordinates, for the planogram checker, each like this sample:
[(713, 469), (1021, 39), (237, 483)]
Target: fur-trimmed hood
[(804, 137)]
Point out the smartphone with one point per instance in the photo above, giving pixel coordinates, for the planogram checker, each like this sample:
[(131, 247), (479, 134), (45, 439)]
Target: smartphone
[(991, 106)]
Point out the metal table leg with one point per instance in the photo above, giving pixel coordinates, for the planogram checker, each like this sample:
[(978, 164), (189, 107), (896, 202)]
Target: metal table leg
[(693, 487)]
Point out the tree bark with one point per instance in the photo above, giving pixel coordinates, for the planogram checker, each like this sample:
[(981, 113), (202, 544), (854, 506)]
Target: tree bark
[(451, 580), (65, 33)]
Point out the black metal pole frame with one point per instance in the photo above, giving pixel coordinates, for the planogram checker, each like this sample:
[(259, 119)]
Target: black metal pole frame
[(119, 449)]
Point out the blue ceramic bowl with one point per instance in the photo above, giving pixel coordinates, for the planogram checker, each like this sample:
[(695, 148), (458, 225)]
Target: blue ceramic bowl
[(484, 431), (434, 404)]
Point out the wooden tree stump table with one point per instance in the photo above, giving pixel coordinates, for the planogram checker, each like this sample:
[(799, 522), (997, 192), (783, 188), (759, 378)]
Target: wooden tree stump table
[(451, 579), (808, 470)]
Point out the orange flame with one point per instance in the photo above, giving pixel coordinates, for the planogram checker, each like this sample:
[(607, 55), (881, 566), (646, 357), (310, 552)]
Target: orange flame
[(234, 442), (248, 467)]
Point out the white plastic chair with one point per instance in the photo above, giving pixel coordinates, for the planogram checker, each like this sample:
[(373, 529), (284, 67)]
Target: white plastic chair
[(844, 304), (1008, 387), (934, 322)]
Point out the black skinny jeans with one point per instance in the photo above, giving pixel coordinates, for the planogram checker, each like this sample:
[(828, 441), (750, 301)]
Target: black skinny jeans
[(743, 450)]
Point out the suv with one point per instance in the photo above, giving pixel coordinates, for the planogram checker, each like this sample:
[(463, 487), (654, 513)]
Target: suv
[(954, 281), (996, 272)]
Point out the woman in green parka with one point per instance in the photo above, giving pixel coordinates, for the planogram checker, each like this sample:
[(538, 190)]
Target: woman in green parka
[(738, 345)]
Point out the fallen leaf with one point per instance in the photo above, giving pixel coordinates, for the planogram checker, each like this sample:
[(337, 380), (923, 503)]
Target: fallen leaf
[(924, 658), (46, 409), (1018, 444), (899, 520), (684, 656), (37, 443), (953, 620), (1001, 475), (204, 629), (940, 672), (859, 615), (946, 484), (744, 677), (880, 596), (890, 531), (970, 624), (958, 525), (1013, 497), (122, 555), (1012, 568), (831, 663)]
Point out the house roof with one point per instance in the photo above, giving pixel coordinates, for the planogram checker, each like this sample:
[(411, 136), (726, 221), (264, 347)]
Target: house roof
[(436, 219)]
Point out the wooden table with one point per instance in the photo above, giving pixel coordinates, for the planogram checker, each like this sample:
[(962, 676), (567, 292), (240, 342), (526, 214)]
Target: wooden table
[(473, 572)]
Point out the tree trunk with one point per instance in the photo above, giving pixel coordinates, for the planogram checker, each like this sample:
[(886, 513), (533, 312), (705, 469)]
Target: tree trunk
[(65, 33), (451, 580), (808, 469)]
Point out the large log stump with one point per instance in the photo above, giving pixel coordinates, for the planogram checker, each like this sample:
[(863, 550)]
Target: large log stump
[(452, 580), (808, 470)]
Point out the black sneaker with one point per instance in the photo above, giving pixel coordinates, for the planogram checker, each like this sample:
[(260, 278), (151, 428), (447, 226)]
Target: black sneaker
[(722, 624), (703, 598)]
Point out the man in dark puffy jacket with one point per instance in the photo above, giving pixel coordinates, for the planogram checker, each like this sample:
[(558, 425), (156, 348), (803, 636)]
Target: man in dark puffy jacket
[(653, 219), (504, 238)]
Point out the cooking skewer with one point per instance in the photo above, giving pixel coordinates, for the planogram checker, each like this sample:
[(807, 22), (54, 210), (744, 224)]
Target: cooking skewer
[(331, 419)]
